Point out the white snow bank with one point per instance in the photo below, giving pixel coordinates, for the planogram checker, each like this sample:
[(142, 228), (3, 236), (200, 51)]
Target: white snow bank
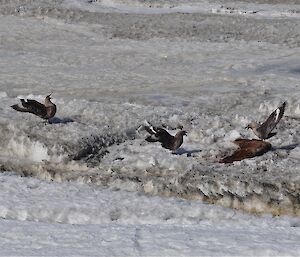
[(123, 223), (25, 149), (82, 204), (160, 7), (75, 203)]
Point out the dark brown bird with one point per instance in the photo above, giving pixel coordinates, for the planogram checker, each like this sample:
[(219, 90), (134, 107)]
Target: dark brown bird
[(248, 148), (44, 111), (167, 141), (263, 131)]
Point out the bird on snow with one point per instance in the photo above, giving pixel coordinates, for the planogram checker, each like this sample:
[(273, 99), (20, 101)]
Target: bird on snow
[(44, 111), (161, 135), (248, 148), (263, 131)]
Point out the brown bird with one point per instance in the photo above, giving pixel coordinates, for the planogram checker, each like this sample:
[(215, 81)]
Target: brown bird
[(161, 135), (263, 131), (248, 148), (44, 111)]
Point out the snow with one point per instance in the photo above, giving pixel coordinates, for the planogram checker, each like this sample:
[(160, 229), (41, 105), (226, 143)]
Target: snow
[(89, 183), (143, 240), (159, 7), (38, 217)]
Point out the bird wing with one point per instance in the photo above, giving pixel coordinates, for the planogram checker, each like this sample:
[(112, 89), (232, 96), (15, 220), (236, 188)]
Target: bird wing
[(242, 143), (267, 127), (247, 149), (252, 143), (165, 138), (18, 108), (150, 129), (238, 155), (34, 107), (159, 135)]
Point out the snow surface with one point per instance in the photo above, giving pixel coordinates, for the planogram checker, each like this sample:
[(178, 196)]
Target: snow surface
[(111, 65), (158, 7), (62, 219)]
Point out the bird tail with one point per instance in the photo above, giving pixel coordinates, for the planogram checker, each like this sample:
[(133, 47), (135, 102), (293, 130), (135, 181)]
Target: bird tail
[(18, 108)]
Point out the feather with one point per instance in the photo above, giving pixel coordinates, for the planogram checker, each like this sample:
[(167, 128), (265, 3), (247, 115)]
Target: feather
[(44, 111)]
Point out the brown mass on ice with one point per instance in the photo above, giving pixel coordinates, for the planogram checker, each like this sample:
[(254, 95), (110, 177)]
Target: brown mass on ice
[(248, 148), (44, 111)]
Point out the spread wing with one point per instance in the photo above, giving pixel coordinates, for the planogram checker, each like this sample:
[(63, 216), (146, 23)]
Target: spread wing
[(31, 106), (238, 155), (243, 143), (247, 149), (267, 127), (165, 138), (151, 130), (159, 135)]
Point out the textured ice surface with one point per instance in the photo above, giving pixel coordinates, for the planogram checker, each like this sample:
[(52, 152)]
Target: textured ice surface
[(61, 219), (111, 71), (209, 67), (111, 85)]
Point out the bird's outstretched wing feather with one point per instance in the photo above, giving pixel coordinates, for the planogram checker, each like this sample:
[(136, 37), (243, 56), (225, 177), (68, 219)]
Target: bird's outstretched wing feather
[(18, 108), (150, 129), (159, 135), (165, 138), (247, 149), (238, 155), (31, 106), (267, 127)]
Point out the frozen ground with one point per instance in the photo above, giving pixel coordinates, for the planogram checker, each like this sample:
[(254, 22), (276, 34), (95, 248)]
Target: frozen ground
[(111, 65), (63, 219)]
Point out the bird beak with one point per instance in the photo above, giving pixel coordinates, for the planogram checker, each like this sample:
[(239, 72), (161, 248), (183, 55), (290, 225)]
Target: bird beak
[(247, 127), (49, 96)]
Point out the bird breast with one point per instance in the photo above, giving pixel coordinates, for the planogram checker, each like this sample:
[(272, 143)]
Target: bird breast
[(51, 110)]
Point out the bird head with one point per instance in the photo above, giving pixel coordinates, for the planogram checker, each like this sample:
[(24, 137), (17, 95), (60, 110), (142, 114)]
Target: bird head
[(180, 134), (183, 132)]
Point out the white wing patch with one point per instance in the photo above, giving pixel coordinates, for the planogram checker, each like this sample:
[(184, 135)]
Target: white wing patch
[(277, 114)]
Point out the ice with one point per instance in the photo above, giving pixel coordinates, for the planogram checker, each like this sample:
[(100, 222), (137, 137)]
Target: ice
[(24, 149), (88, 182), (36, 217), (217, 7)]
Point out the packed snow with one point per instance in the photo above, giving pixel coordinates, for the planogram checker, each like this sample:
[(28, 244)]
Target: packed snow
[(89, 183), (49, 218)]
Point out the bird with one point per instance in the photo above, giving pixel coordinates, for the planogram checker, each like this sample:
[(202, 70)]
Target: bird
[(167, 141), (263, 131), (248, 148), (45, 111)]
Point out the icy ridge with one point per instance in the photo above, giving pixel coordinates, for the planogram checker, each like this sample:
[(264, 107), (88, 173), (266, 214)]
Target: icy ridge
[(114, 153), (206, 184)]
